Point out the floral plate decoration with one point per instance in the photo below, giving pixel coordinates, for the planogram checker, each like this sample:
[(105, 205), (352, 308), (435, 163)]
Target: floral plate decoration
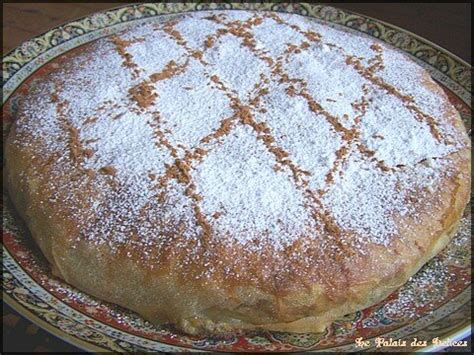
[(428, 313)]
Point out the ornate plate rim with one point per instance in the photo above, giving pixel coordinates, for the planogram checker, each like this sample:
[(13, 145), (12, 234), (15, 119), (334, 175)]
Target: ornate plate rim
[(412, 34), (48, 327), (459, 333)]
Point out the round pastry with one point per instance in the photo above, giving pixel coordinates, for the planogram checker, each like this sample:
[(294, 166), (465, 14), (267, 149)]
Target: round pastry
[(232, 170)]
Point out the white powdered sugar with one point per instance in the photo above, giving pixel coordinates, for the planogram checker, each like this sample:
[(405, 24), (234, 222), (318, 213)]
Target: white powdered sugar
[(118, 142), (199, 110), (152, 55), (356, 209), (366, 201), (274, 38), (396, 138), (353, 44), (84, 90), (401, 68), (337, 86), (251, 199), (39, 113), (293, 126), (239, 72), (241, 125), (196, 32), (427, 285)]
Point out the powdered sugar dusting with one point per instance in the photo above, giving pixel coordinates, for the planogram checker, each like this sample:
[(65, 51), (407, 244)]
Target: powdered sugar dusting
[(240, 125), (108, 87), (402, 68), (155, 52), (400, 140), (196, 32), (419, 290), (250, 199), (199, 110), (337, 86), (364, 200), (240, 72), (275, 38), (119, 143), (294, 125)]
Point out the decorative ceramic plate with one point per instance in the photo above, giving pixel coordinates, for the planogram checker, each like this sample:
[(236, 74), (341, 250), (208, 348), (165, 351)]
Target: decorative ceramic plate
[(435, 303)]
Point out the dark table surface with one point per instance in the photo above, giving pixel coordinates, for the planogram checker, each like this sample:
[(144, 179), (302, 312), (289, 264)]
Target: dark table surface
[(446, 24)]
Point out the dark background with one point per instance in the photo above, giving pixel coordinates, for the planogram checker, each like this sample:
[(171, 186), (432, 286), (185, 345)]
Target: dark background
[(446, 24)]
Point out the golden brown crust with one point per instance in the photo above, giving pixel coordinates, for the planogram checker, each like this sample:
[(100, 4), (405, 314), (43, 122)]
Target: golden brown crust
[(225, 303)]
